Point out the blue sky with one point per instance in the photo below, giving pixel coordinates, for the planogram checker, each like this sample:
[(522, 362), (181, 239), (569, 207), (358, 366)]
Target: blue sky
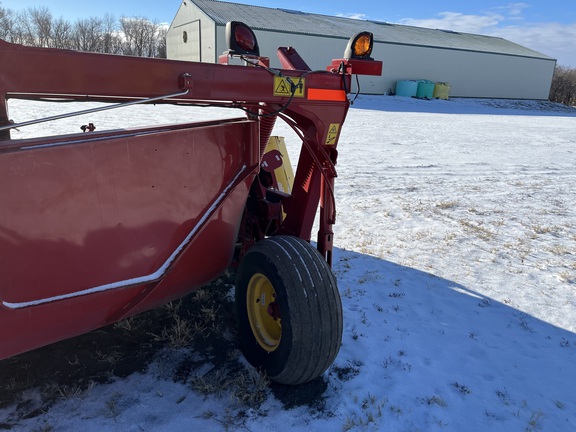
[(545, 26)]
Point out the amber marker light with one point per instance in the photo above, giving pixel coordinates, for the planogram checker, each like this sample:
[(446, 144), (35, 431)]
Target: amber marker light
[(360, 46), (241, 39)]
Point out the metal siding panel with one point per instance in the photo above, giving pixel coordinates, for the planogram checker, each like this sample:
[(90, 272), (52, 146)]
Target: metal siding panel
[(200, 45), (317, 51), (208, 30), (221, 46), (478, 75), (470, 73)]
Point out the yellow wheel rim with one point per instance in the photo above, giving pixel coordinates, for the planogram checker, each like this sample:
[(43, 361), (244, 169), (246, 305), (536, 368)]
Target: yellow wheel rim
[(263, 312)]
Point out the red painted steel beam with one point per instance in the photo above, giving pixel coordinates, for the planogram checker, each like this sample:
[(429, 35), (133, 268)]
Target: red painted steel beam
[(80, 75)]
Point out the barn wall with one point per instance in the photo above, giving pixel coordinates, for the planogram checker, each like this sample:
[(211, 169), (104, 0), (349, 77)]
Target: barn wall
[(470, 74), (192, 35)]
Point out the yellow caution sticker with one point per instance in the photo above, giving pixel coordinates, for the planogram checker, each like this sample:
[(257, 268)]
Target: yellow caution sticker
[(332, 133), (284, 86)]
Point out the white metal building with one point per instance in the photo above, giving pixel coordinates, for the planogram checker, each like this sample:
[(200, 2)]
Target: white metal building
[(473, 65)]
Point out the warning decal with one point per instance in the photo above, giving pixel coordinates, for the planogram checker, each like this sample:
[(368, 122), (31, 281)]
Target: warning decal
[(332, 133), (284, 86)]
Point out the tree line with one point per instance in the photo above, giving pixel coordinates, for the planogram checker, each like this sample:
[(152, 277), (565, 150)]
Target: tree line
[(563, 89), (36, 26)]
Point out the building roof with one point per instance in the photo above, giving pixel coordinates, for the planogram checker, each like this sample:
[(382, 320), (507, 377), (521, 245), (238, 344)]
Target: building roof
[(293, 21)]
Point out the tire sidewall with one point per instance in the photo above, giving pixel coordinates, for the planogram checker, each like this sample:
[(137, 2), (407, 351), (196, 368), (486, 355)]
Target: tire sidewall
[(274, 362)]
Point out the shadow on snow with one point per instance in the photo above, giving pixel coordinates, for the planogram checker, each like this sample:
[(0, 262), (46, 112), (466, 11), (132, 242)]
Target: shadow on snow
[(410, 338), (465, 106), (423, 340)]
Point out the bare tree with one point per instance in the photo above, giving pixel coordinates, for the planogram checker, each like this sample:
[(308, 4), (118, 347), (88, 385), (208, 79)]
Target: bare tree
[(141, 36), (17, 27), (40, 25), (130, 36), (88, 34), (563, 88), (111, 40), (61, 36), (13, 28), (23, 24), (6, 24), (161, 43)]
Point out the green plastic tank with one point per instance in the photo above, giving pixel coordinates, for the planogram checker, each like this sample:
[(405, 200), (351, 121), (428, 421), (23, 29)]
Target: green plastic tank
[(425, 89)]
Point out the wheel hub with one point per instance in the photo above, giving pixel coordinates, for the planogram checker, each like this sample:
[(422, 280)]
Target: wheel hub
[(264, 312)]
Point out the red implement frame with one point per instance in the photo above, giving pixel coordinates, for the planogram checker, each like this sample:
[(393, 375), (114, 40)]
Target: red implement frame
[(99, 226)]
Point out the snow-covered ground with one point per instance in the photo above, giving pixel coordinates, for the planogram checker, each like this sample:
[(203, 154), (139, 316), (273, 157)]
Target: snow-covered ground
[(456, 263)]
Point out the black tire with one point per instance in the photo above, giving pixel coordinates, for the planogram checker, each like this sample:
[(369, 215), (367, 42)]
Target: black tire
[(305, 302)]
